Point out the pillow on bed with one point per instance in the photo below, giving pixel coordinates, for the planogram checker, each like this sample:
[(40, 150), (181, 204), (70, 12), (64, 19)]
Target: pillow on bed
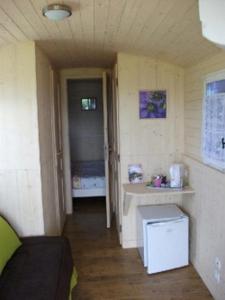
[(9, 242)]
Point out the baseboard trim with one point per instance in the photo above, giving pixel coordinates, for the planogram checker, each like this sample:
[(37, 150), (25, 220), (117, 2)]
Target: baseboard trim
[(129, 244)]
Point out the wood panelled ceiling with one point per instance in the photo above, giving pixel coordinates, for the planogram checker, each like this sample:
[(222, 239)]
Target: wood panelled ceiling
[(166, 29)]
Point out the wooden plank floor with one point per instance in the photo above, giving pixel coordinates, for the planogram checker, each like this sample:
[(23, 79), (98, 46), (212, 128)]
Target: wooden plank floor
[(106, 271)]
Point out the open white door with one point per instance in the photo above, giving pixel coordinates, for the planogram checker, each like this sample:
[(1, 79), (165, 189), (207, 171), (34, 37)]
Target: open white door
[(116, 154), (106, 149)]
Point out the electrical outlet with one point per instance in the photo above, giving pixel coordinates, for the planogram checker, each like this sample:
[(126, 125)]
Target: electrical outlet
[(217, 276), (217, 263)]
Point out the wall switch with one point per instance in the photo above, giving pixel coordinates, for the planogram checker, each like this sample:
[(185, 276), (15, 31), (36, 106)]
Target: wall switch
[(217, 263)]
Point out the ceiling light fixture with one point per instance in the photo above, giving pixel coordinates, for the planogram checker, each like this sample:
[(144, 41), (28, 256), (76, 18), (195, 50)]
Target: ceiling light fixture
[(56, 12)]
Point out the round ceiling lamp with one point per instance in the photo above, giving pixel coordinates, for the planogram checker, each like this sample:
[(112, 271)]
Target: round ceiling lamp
[(212, 17), (56, 12)]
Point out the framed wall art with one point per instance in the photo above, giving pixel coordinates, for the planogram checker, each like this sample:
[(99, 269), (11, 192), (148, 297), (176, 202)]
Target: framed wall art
[(88, 103), (152, 104)]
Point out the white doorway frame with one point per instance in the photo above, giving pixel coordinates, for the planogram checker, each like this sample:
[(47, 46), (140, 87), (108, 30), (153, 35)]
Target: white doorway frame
[(65, 75)]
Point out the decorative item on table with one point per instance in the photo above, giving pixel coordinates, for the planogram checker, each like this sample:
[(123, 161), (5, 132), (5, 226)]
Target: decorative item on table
[(177, 173), (152, 104), (158, 181), (135, 173)]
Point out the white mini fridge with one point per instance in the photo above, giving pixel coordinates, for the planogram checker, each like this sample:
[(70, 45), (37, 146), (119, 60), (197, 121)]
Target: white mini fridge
[(162, 232)]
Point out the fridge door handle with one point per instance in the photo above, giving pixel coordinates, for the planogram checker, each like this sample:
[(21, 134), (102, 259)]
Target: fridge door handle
[(179, 221), (159, 224)]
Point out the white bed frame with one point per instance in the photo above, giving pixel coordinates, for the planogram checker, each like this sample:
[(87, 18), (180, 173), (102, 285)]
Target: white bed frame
[(82, 193)]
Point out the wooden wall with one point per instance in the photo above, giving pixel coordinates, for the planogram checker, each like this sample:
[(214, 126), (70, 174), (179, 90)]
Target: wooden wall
[(20, 181), (155, 143), (207, 208), (27, 187), (46, 141)]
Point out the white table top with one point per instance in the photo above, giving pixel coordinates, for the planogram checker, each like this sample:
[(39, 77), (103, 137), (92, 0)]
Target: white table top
[(142, 189)]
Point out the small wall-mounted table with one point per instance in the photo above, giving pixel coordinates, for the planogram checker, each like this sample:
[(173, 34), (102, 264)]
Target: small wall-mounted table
[(140, 190)]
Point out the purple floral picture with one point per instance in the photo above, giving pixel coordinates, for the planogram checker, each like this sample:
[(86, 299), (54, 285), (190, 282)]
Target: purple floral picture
[(152, 104)]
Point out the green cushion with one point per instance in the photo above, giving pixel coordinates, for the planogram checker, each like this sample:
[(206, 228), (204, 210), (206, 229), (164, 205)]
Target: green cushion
[(73, 282), (9, 242)]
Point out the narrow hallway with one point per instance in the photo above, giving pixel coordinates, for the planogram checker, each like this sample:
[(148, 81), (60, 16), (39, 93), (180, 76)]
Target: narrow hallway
[(106, 271)]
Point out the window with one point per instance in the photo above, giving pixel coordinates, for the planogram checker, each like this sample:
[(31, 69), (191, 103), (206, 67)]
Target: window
[(213, 129), (89, 103)]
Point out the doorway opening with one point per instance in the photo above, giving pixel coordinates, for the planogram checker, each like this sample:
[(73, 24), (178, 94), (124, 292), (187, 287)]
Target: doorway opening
[(88, 142)]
